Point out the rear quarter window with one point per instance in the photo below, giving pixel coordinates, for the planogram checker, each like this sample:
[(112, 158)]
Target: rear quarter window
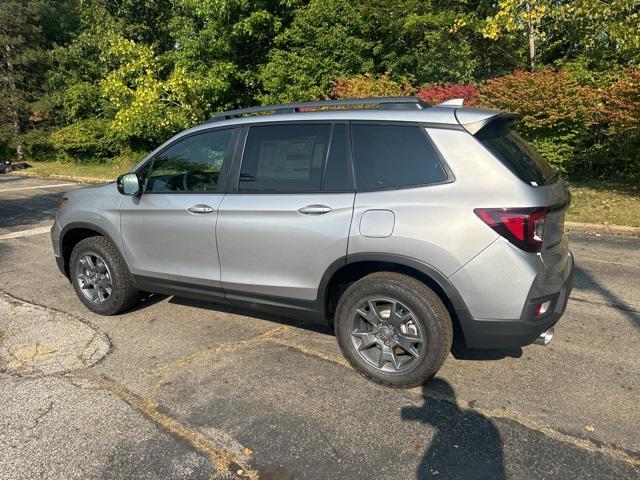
[(394, 156), (516, 154)]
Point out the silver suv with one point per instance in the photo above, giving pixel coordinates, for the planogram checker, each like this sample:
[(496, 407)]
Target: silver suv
[(395, 224)]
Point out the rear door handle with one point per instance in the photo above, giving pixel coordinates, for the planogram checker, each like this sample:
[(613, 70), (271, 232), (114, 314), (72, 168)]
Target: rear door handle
[(315, 209), (200, 209)]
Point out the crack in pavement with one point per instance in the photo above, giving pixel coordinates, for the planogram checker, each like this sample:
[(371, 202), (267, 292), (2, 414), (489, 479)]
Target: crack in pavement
[(221, 459), (41, 415), (585, 444), (592, 301), (165, 371), (270, 337), (224, 461)]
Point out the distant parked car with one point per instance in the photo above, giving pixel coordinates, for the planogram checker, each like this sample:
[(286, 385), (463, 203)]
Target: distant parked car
[(393, 224)]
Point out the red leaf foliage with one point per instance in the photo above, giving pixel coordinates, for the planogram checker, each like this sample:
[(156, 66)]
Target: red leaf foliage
[(434, 94)]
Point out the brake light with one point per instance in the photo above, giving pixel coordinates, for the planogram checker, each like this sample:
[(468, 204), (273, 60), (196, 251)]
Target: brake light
[(524, 227)]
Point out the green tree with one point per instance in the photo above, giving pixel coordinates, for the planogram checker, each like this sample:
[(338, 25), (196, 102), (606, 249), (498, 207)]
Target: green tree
[(605, 33), (28, 32), (416, 40)]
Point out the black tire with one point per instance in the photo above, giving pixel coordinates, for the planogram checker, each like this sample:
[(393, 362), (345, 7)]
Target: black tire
[(427, 309), (123, 294)]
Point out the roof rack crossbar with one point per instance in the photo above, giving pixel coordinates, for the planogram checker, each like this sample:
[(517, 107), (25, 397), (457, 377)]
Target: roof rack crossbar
[(396, 103)]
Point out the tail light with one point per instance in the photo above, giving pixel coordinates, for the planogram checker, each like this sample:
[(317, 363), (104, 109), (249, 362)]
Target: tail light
[(524, 227)]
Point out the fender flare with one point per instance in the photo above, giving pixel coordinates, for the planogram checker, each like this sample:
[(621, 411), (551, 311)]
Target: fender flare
[(430, 271), (89, 226)]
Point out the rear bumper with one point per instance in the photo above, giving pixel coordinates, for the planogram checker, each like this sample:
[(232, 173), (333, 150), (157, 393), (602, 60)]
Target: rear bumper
[(489, 333)]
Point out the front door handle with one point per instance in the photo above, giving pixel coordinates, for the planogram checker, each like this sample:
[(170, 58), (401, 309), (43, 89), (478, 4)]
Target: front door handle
[(200, 209), (315, 209)]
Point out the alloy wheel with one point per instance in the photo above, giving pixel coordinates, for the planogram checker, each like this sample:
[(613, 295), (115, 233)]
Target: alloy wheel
[(94, 278), (387, 335)]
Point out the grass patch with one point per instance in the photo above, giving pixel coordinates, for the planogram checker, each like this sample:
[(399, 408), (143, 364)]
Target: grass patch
[(592, 201), (106, 172), (605, 203)]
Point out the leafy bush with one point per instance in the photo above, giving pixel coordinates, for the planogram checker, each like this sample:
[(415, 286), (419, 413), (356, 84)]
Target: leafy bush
[(434, 94), (622, 104), (619, 150), (558, 114), (367, 85), (85, 139)]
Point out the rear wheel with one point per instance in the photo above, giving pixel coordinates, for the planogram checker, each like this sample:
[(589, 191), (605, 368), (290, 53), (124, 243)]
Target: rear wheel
[(393, 329), (100, 277)]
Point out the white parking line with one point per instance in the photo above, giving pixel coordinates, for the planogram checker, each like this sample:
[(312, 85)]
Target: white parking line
[(35, 188), (25, 233)]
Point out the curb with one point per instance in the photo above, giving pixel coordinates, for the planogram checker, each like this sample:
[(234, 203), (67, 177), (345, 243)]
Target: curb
[(27, 173), (601, 229)]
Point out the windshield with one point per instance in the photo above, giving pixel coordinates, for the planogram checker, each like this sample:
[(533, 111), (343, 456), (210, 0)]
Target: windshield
[(520, 157)]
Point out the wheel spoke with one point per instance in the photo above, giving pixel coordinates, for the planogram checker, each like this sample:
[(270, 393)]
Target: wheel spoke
[(398, 319), (90, 264), (372, 316), (100, 292), (387, 355), (100, 266), (91, 293), (367, 339), (407, 342)]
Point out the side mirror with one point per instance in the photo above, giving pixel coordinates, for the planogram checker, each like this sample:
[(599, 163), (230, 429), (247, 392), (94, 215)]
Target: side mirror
[(128, 184)]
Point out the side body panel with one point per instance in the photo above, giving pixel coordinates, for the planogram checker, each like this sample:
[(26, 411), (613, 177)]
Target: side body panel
[(267, 247), (92, 206), (434, 224), (162, 239)]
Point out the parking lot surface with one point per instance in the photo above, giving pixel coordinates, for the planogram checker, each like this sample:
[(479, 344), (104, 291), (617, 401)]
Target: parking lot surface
[(185, 389)]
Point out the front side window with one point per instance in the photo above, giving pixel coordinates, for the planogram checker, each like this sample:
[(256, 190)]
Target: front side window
[(190, 165), (284, 158), (394, 156)]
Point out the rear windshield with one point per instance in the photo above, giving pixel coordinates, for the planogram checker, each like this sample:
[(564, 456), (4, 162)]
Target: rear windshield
[(520, 157)]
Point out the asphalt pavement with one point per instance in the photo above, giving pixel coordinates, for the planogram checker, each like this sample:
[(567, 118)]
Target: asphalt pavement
[(184, 389)]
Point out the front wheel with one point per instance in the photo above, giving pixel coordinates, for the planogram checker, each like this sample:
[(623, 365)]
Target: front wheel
[(393, 329), (100, 277)]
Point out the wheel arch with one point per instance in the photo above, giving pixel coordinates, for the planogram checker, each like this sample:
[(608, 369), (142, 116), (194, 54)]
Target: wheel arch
[(353, 267), (75, 232)]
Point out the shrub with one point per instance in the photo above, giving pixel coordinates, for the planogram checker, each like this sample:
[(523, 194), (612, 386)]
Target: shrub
[(367, 85), (85, 139), (559, 116), (619, 150), (434, 94), (622, 104)]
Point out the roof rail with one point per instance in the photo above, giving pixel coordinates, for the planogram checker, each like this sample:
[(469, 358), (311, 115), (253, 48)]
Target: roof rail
[(389, 103)]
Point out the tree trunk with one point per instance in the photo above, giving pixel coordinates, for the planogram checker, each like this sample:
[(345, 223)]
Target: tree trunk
[(532, 37), (15, 114)]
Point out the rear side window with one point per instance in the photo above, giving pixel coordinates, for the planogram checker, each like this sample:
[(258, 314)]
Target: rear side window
[(285, 158), (394, 156), (516, 154)]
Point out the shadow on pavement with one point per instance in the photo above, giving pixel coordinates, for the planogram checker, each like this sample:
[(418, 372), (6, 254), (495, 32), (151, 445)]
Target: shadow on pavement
[(460, 352), (24, 212), (466, 446), (6, 179), (250, 313), (586, 282)]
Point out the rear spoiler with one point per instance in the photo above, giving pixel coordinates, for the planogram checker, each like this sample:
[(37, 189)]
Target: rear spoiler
[(475, 120)]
